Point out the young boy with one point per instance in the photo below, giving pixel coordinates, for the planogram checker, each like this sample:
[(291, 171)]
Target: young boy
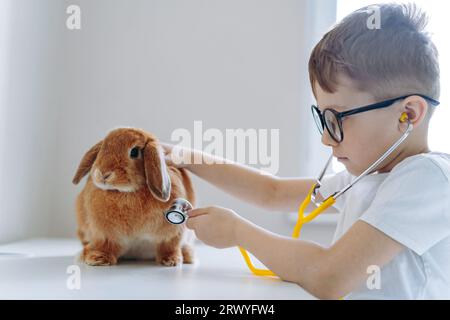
[(397, 219)]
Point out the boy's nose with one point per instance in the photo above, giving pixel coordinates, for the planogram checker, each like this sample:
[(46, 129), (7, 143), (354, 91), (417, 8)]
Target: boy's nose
[(327, 140)]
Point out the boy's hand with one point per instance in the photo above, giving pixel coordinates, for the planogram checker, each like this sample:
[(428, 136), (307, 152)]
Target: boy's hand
[(173, 155), (215, 226)]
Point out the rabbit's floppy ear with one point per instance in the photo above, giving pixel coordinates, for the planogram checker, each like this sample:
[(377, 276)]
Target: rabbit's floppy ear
[(86, 162), (156, 174)]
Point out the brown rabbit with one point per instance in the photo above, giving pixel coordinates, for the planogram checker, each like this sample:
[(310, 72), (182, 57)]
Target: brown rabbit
[(120, 211)]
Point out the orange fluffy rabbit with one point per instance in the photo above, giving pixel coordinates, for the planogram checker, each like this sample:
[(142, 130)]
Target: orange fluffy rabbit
[(120, 210)]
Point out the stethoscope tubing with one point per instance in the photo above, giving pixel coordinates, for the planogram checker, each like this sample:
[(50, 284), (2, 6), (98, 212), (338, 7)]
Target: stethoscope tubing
[(374, 165)]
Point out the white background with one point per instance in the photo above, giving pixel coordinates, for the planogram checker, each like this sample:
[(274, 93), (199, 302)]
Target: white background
[(159, 65)]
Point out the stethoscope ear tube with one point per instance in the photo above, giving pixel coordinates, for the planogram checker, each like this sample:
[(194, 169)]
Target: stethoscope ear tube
[(376, 163)]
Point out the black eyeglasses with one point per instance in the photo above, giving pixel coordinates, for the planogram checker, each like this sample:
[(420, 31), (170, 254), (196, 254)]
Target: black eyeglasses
[(332, 120)]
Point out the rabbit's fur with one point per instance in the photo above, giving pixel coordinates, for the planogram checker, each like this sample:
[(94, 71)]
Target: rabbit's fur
[(120, 211)]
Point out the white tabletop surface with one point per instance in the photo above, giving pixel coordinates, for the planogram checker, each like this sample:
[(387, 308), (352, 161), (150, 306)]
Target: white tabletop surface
[(38, 269)]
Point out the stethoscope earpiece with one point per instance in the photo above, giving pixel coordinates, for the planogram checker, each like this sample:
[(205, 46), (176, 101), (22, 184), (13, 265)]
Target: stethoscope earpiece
[(404, 117)]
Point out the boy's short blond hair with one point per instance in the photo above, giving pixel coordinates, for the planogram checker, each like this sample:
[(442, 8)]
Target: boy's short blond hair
[(399, 58)]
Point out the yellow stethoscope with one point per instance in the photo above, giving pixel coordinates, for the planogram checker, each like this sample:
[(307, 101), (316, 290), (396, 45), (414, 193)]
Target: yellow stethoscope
[(328, 202)]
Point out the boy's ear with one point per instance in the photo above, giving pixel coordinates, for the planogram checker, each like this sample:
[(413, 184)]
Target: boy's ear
[(416, 109)]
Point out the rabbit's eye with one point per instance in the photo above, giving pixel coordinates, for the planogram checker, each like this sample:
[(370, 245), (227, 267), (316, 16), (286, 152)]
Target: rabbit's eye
[(134, 153)]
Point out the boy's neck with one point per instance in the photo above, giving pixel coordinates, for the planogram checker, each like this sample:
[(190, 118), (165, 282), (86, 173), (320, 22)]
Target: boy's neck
[(402, 155)]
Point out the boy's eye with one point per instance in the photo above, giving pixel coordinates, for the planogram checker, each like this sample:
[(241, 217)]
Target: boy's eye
[(134, 153)]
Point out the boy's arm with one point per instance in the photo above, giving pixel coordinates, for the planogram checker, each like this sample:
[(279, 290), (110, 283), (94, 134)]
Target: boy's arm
[(243, 182), (246, 183), (326, 273), (290, 192)]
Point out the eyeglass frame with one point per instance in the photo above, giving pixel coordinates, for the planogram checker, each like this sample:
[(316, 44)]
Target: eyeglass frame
[(340, 115)]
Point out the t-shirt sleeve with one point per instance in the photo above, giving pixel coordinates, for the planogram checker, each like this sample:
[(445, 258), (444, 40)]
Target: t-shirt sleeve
[(335, 182), (412, 206)]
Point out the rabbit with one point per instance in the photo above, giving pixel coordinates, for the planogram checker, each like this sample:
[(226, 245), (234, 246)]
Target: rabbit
[(120, 210)]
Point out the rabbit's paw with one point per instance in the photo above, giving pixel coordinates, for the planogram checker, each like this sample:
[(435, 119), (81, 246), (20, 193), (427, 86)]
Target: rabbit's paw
[(170, 260), (188, 254), (99, 258)]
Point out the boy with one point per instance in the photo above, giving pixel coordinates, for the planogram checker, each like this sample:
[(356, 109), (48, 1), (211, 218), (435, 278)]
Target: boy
[(397, 219)]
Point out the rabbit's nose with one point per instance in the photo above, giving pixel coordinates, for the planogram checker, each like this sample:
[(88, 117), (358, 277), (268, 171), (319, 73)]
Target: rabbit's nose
[(106, 175), (102, 176)]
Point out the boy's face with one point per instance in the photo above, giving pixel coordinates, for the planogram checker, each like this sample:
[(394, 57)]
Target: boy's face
[(367, 135)]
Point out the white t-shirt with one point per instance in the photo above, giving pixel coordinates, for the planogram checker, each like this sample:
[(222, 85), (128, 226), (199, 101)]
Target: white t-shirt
[(410, 204)]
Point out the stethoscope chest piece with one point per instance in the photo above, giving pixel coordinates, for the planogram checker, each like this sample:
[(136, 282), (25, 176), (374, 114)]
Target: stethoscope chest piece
[(177, 213)]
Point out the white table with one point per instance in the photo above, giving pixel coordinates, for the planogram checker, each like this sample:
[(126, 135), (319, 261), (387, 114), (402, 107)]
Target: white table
[(38, 269)]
